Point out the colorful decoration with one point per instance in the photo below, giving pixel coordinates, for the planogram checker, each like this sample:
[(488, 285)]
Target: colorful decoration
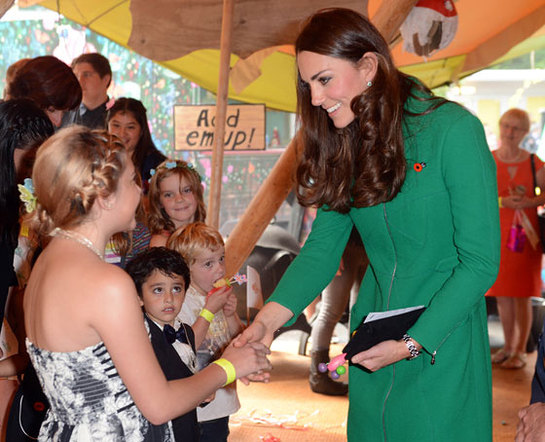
[(237, 278), (430, 26), (335, 367), (26, 193)]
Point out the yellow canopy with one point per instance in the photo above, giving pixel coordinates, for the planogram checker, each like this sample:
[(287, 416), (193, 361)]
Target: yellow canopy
[(489, 31)]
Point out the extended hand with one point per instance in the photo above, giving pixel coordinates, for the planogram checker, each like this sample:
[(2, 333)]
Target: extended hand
[(256, 332), (249, 359)]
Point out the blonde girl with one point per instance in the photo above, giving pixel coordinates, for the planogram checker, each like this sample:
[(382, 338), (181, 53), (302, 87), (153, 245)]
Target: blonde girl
[(86, 334), (175, 200)]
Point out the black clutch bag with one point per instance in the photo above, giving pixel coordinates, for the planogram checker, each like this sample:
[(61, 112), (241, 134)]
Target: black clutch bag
[(387, 325)]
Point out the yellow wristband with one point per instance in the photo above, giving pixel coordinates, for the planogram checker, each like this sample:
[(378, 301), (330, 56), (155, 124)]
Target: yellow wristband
[(499, 202), (229, 369), (207, 314)]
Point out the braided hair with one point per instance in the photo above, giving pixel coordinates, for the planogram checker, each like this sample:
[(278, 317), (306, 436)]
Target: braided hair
[(73, 168)]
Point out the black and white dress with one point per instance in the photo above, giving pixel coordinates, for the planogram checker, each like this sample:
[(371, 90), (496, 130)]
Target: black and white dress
[(89, 401)]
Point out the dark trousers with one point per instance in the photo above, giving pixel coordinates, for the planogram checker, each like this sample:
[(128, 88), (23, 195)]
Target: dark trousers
[(215, 430), (538, 383)]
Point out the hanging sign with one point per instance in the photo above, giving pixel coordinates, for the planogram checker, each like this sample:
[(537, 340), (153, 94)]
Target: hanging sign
[(194, 127)]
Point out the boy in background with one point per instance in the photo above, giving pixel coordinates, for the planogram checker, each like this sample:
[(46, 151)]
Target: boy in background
[(203, 249), (94, 75)]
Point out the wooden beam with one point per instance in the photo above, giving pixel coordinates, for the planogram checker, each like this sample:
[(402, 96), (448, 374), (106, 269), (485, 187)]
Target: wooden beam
[(280, 181), (5, 5), (221, 112)]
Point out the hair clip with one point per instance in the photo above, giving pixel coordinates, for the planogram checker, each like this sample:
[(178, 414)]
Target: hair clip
[(175, 165), (27, 195)]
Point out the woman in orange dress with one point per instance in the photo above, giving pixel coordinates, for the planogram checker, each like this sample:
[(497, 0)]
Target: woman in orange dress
[(519, 277)]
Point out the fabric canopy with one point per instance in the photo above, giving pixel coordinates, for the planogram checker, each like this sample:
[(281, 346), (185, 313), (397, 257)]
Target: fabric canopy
[(489, 31)]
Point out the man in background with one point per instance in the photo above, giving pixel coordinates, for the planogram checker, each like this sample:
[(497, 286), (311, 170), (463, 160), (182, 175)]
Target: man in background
[(94, 74)]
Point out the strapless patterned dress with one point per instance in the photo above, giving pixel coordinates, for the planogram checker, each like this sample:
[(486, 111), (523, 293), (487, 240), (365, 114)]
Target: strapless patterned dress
[(89, 401)]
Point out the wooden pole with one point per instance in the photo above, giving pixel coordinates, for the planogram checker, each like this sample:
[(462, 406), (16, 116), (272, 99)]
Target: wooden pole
[(221, 112), (280, 181)]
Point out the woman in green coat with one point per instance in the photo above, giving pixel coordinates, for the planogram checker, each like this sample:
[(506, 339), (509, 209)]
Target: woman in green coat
[(415, 176)]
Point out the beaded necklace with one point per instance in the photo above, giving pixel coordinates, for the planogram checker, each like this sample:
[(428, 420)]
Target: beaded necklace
[(79, 238)]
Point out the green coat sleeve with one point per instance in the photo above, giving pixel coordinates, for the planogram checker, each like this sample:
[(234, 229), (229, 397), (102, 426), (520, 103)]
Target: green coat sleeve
[(317, 263)]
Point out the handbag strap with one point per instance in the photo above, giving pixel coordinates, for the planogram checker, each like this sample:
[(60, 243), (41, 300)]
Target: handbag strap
[(533, 164)]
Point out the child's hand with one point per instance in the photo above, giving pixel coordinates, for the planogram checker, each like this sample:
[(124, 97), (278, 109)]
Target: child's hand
[(208, 400), (250, 359), (217, 300), (230, 307)]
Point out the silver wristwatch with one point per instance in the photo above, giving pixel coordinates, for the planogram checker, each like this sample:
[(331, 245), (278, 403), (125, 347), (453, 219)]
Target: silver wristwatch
[(410, 345)]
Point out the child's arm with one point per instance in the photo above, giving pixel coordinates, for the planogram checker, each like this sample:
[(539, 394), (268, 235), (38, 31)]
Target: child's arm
[(230, 312), (16, 363), (214, 303), (158, 240), (123, 332)]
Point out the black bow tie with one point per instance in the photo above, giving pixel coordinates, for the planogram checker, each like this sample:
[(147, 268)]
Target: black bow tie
[(171, 335)]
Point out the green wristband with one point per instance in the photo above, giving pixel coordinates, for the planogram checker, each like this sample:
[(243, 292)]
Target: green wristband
[(229, 369), (207, 314)]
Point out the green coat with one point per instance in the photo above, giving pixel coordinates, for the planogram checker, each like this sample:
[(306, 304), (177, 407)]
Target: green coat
[(437, 244)]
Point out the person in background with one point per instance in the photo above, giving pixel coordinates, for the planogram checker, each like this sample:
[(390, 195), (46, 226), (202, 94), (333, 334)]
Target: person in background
[(50, 83), (94, 74), (23, 127), (87, 189), (341, 292), (127, 119), (175, 200), (203, 250), (124, 246), (520, 268), (10, 75), (414, 174)]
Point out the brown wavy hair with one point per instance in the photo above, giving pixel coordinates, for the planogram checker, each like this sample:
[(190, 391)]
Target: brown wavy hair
[(364, 161), (158, 219), (72, 169), (48, 82)]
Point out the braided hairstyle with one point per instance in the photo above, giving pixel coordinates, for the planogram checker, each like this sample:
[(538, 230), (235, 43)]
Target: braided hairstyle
[(73, 168)]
